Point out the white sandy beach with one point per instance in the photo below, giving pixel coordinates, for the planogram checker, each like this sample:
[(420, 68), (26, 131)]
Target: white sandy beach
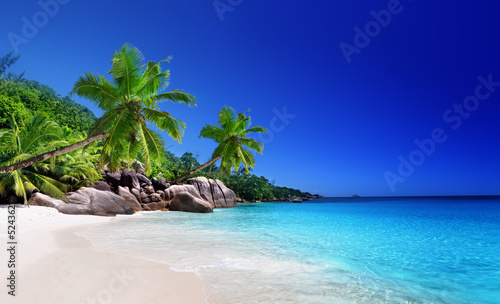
[(54, 265)]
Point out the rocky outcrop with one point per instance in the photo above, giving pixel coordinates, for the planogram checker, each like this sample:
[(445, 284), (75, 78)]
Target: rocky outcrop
[(85, 201), (174, 190), (137, 194), (128, 192), (130, 198), (39, 199), (229, 195), (100, 185), (129, 179), (185, 201), (157, 206), (113, 179), (143, 180), (100, 202), (159, 185), (215, 192)]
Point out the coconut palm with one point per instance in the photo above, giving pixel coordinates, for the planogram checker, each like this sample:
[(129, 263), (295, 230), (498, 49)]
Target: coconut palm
[(129, 102), (233, 138), (16, 144), (75, 168)]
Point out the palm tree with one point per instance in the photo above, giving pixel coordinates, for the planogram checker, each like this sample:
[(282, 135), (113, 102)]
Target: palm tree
[(19, 144), (76, 168), (129, 102), (232, 137)]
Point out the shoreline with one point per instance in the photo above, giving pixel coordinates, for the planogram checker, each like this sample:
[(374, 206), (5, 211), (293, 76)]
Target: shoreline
[(56, 265)]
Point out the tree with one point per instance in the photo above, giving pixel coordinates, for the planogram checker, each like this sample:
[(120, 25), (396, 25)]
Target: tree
[(5, 62), (76, 168), (233, 137), (18, 144), (129, 102)]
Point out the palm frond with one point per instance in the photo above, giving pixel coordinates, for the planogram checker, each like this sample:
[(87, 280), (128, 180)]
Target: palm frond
[(227, 118), (153, 79), (126, 68), (152, 146), (242, 122), (98, 89), (174, 96), (122, 127), (47, 185), (213, 132), (164, 121), (256, 129), (252, 144)]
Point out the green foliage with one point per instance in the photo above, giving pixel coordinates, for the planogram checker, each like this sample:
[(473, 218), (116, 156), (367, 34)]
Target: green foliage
[(35, 119), (17, 144), (130, 101), (54, 176), (7, 61), (246, 186), (26, 98), (233, 138), (252, 187)]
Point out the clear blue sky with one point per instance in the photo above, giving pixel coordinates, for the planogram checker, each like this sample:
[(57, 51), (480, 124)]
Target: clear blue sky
[(352, 120)]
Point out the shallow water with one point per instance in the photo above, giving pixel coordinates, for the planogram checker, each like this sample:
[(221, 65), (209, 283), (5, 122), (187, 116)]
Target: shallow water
[(384, 250)]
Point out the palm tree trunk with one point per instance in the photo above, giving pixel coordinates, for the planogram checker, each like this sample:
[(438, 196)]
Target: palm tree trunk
[(34, 160), (197, 169)]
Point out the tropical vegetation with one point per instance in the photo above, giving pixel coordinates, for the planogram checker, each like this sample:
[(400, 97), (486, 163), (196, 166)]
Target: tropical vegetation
[(235, 145), (51, 144)]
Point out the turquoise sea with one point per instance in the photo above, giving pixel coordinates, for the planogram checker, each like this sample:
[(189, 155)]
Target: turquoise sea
[(334, 250)]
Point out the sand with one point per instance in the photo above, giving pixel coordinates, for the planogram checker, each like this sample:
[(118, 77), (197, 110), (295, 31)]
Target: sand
[(54, 265)]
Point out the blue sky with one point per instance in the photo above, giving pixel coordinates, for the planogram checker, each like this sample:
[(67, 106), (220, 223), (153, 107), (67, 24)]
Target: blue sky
[(352, 121)]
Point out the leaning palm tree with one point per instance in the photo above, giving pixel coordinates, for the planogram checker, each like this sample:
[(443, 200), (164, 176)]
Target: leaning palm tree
[(129, 102), (17, 144), (76, 168), (233, 137)]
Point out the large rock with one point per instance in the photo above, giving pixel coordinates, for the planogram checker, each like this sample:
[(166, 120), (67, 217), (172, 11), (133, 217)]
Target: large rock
[(130, 198), (229, 195), (39, 199), (185, 201), (215, 192), (143, 180), (149, 189), (100, 185), (137, 194), (129, 179), (155, 197), (172, 191), (203, 187), (99, 202), (159, 185), (114, 178)]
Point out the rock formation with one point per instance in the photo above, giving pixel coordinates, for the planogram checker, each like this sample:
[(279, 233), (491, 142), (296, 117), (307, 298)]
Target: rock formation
[(85, 201), (128, 192), (215, 192), (184, 201)]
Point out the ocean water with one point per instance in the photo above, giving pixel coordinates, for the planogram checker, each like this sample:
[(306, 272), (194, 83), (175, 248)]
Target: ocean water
[(355, 250)]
